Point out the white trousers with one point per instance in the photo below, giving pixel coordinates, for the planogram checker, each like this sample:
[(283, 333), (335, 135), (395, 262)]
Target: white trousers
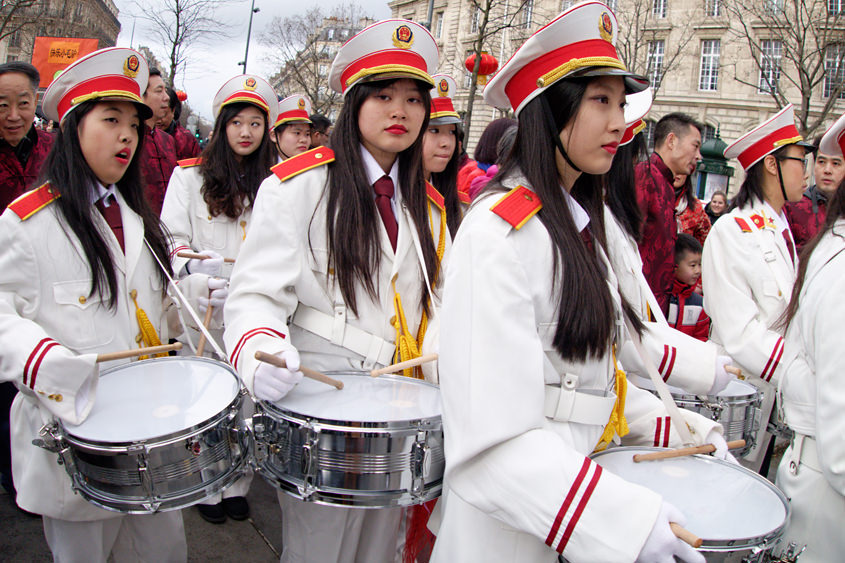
[(312, 533), (143, 537)]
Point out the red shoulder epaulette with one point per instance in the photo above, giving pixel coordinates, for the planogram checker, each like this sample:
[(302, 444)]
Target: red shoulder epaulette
[(32, 201), (302, 162), (435, 196), (463, 197), (188, 162), (743, 224), (517, 206)]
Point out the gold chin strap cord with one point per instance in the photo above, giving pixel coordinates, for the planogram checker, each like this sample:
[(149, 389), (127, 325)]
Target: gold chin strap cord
[(408, 347), (617, 423), (149, 337)]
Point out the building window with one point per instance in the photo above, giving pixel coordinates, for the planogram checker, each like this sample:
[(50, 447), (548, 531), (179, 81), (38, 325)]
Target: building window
[(468, 75), (835, 7), (774, 6), (708, 77), (655, 61), (438, 24), (323, 70), (527, 13), (659, 8), (713, 8), (648, 134), (15, 38), (566, 4), (770, 54), (476, 17), (330, 34), (834, 69), (708, 134), (11, 58), (611, 4)]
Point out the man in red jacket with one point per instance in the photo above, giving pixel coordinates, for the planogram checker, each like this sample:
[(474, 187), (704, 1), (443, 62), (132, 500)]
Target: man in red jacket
[(158, 158), (23, 149), (677, 140), (186, 144)]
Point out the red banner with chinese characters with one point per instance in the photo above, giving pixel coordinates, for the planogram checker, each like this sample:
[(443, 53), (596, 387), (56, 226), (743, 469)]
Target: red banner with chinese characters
[(53, 54)]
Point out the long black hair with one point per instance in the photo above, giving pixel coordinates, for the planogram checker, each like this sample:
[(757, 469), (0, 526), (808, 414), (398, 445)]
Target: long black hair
[(621, 188), (835, 211), (70, 175), (352, 220), (446, 183), (579, 279), (752, 187), (225, 181)]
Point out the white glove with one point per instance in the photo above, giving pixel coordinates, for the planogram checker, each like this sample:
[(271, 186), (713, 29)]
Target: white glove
[(722, 378), (661, 545), (713, 437), (218, 293), (271, 383), (210, 266)]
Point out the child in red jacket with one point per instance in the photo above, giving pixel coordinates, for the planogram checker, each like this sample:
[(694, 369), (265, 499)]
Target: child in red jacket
[(686, 307)]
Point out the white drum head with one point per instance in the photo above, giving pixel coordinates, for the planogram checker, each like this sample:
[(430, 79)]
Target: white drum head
[(720, 501), (364, 399), (155, 398)]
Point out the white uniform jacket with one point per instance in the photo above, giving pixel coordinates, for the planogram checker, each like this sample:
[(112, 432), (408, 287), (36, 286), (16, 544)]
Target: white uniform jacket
[(681, 360), (51, 331), (518, 485), (813, 405), (747, 276), (283, 294), (194, 229)]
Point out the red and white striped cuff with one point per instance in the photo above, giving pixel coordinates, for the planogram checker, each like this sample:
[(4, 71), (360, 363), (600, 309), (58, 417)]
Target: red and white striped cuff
[(35, 359), (249, 334), (668, 361), (177, 250), (573, 505), (774, 360), (661, 432)]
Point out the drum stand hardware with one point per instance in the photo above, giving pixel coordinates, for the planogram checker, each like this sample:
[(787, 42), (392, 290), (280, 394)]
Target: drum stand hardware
[(52, 440), (420, 463), (309, 461), (790, 555)]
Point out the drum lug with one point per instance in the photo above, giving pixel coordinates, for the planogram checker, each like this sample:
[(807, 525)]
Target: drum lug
[(52, 440), (310, 460), (715, 409), (420, 463), (146, 478)]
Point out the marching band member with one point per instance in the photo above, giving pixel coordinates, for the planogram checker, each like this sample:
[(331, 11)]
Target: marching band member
[(530, 322), (208, 209), (682, 361), (337, 266), (76, 278), (291, 132), (812, 388), (440, 148), (749, 261)]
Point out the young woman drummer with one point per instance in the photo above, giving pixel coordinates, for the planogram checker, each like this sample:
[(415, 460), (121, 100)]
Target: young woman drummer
[(291, 133), (78, 279), (812, 393), (336, 267), (749, 261), (440, 147), (530, 322), (208, 211)]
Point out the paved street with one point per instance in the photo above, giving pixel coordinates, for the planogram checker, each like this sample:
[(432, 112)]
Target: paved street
[(258, 539)]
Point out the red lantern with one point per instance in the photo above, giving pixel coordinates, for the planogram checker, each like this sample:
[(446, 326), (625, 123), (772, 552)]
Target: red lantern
[(181, 95), (488, 64)]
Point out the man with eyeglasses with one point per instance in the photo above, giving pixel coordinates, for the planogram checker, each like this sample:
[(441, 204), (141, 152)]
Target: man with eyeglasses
[(806, 217)]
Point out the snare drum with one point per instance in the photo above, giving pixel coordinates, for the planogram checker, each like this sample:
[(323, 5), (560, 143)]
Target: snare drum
[(163, 434), (737, 513), (735, 408), (376, 443)]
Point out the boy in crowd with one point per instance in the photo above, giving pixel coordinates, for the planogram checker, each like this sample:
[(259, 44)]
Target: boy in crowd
[(686, 307)]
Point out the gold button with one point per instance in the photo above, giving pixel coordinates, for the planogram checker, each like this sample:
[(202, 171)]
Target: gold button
[(393, 320), (209, 217), (82, 299), (318, 155), (331, 271), (58, 398), (243, 223), (138, 338), (133, 294)]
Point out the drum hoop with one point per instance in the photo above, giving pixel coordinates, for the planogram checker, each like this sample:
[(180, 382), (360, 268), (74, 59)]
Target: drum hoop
[(430, 422), (165, 439), (729, 545)]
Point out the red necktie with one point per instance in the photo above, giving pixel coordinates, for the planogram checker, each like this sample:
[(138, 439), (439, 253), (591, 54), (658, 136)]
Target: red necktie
[(384, 192), (112, 216), (587, 237), (789, 245)]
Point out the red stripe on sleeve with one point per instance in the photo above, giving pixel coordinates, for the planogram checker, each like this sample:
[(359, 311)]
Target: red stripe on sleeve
[(657, 432), (38, 362), (671, 363), (249, 334), (776, 362), (665, 355), (32, 356), (568, 501), (178, 249), (771, 358), (578, 511), (666, 427)]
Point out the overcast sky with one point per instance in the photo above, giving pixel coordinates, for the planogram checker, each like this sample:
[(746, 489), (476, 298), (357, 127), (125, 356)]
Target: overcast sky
[(210, 66)]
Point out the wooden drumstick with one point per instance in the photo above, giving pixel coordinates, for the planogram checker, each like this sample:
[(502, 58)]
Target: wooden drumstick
[(205, 322), (309, 373), (148, 351), (394, 368), (735, 371), (680, 452), (685, 535), (197, 256)]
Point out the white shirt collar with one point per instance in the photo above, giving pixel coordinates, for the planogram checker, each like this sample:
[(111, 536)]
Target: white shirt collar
[(579, 216), (374, 171), (101, 191), (779, 219)]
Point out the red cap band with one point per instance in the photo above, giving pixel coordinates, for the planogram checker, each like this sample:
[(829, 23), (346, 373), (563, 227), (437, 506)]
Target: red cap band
[(110, 83), (766, 145)]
